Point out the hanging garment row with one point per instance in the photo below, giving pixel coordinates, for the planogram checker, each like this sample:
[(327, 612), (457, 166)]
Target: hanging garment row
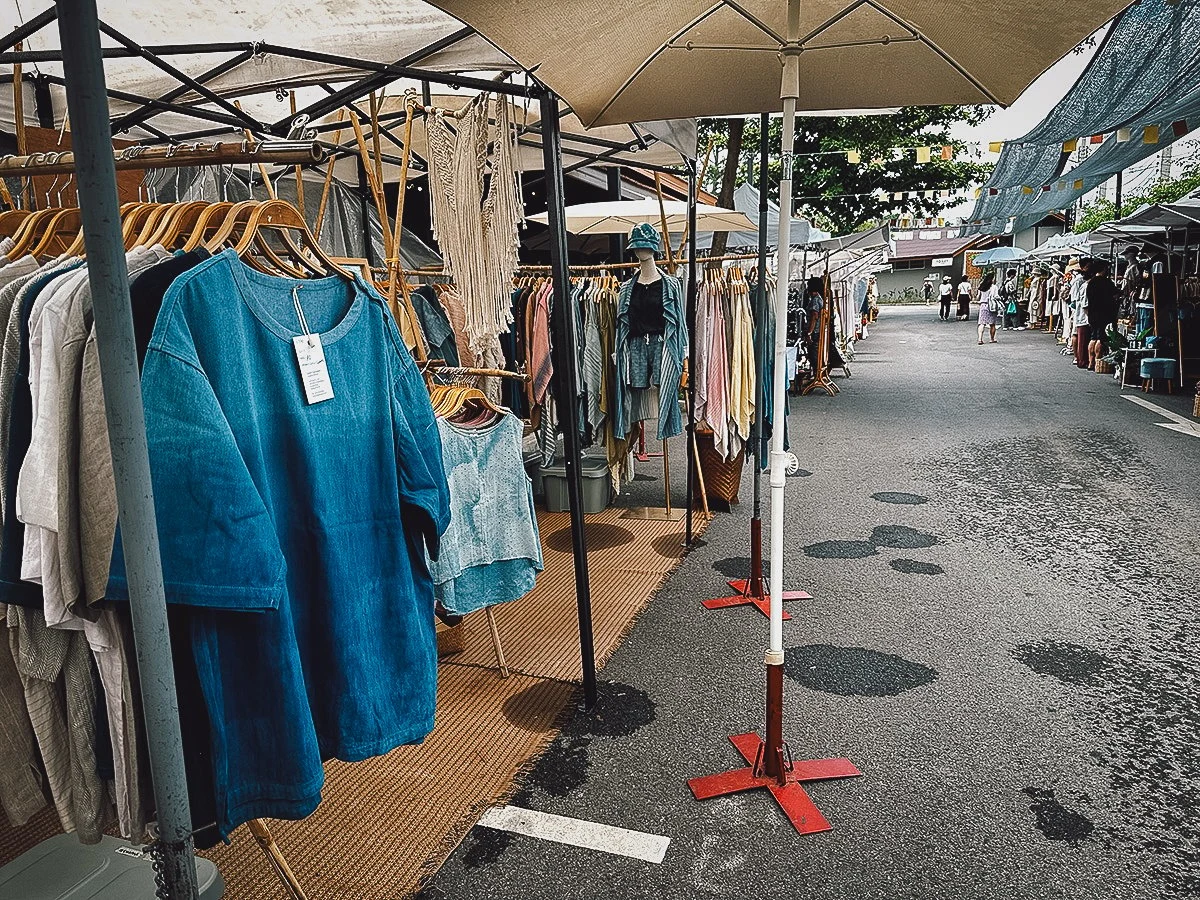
[(301, 491)]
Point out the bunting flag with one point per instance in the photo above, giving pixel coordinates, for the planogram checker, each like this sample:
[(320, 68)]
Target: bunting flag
[(1045, 188), (853, 157), (1096, 139), (941, 222), (978, 192), (944, 194), (995, 146), (1150, 134), (1026, 189), (899, 195), (992, 192), (924, 154), (1124, 135), (1071, 145), (947, 152), (1078, 184), (1180, 128), (877, 161), (1061, 186)]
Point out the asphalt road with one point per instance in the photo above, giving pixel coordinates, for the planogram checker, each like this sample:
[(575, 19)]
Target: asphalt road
[(1005, 559)]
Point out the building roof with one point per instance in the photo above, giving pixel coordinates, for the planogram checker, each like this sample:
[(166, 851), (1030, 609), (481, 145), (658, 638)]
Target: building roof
[(930, 243)]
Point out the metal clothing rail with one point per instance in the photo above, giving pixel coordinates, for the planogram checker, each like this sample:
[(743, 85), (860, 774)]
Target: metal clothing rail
[(173, 156)]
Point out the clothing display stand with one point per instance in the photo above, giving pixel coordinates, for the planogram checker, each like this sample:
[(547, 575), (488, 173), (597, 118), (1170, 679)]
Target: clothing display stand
[(769, 761), (821, 380), (751, 591)]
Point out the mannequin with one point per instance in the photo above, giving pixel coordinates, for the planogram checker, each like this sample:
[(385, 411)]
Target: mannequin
[(651, 343)]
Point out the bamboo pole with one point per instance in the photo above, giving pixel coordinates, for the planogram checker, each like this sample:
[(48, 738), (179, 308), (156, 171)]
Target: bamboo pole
[(337, 139), (299, 168)]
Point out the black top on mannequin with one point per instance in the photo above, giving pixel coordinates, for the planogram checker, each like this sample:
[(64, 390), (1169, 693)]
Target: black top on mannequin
[(646, 309)]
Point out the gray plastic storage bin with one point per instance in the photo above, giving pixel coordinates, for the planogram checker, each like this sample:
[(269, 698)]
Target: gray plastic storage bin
[(61, 867), (597, 486)]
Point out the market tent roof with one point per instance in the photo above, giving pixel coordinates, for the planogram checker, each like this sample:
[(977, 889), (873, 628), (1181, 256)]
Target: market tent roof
[(246, 50), (1061, 245), (1181, 214), (745, 200), (931, 243), (1142, 78), (620, 216), (631, 60), (860, 240)]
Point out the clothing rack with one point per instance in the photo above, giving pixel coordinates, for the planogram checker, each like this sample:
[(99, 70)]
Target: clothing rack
[(598, 268), (173, 156)]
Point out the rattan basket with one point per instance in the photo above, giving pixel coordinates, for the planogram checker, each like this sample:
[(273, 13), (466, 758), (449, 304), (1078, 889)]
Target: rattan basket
[(1104, 367), (722, 477), (451, 640)]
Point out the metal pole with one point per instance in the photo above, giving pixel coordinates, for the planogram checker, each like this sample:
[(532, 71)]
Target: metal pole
[(616, 242), (96, 179), (693, 194), (760, 357), (562, 320), (773, 763), (1120, 185)]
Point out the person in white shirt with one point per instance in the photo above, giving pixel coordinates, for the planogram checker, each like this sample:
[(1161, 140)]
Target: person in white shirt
[(964, 299), (945, 292)]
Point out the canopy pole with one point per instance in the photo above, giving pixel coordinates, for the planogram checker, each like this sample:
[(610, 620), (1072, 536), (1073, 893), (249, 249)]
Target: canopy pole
[(770, 763), (692, 451), (773, 766), (760, 355), (562, 318), (96, 181)]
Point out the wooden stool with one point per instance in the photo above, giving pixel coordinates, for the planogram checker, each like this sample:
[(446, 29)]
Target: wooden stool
[(1158, 368)]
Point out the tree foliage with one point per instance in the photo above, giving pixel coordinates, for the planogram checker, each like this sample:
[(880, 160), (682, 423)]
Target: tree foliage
[(829, 188), (1167, 190)]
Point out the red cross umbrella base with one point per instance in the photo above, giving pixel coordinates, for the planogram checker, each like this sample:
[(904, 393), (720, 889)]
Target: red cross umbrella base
[(787, 789), (751, 591)]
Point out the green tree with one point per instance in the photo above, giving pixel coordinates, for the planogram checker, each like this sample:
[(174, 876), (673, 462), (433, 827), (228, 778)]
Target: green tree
[(1168, 190), (847, 194)]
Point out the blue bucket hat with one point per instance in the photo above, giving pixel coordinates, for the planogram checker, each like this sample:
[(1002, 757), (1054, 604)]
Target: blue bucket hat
[(645, 237)]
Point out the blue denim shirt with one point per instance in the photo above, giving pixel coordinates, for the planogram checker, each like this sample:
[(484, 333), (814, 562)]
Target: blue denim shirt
[(298, 531)]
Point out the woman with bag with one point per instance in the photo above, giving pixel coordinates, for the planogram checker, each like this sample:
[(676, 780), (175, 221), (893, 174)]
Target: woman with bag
[(990, 305), (1009, 295)]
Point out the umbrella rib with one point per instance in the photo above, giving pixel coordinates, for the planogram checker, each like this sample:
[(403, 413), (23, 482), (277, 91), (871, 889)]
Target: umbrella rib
[(914, 32), (670, 44)]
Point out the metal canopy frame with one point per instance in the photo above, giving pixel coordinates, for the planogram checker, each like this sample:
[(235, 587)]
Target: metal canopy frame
[(366, 76)]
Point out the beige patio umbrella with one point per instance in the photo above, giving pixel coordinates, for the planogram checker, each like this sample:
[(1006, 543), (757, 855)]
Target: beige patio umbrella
[(622, 61)]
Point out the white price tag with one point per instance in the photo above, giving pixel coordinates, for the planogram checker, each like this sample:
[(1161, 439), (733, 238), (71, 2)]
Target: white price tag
[(313, 371)]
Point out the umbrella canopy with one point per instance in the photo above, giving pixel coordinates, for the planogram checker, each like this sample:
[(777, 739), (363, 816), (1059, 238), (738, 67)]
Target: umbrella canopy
[(632, 61), (619, 217), (1000, 255)]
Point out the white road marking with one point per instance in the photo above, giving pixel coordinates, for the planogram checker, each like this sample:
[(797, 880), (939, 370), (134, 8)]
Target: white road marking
[(1177, 422), (578, 833), (1188, 429)]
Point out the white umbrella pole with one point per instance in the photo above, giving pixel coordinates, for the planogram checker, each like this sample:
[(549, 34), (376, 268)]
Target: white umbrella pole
[(790, 93)]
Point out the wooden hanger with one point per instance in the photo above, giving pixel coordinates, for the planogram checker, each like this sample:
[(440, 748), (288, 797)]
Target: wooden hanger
[(178, 222), (235, 218), (30, 231), (210, 218), (134, 220), (61, 229), (281, 216), (10, 221)]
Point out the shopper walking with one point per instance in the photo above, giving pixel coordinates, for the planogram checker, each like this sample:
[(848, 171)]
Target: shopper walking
[(927, 288), (1102, 304), (990, 306), (964, 300), (1083, 328), (1008, 295), (945, 293)]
